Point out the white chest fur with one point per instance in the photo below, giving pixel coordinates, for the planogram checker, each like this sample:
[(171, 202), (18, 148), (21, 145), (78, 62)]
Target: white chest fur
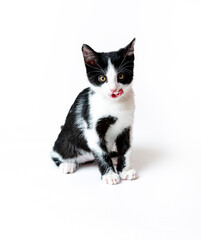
[(103, 107)]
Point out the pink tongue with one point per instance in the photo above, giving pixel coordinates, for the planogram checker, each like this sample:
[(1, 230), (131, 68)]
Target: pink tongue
[(120, 92)]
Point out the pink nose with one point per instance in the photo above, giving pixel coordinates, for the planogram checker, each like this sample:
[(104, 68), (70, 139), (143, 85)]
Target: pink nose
[(113, 90)]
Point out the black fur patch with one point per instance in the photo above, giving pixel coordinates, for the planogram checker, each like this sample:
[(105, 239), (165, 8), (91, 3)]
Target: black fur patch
[(123, 141), (85, 109), (100, 68), (57, 161), (113, 154), (123, 144), (102, 126), (71, 139), (121, 163)]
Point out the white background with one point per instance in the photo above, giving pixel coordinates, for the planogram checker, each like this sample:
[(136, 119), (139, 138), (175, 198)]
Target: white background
[(41, 73)]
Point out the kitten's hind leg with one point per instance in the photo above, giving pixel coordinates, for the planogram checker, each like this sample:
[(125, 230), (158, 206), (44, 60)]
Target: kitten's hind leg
[(65, 165), (68, 167)]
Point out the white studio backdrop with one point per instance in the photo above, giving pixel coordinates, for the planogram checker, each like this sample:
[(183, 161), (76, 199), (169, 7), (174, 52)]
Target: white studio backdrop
[(41, 73)]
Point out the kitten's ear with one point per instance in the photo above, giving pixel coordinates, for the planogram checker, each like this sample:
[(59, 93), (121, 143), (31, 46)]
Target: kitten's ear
[(89, 55), (130, 48)]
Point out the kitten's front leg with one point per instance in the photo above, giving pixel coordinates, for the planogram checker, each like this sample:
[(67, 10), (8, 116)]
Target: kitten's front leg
[(124, 149), (124, 169), (109, 176)]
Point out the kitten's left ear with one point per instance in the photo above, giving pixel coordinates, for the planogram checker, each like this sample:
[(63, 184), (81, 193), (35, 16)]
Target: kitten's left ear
[(130, 48), (89, 54)]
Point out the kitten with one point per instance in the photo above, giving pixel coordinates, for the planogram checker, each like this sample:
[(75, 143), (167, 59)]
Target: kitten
[(99, 124)]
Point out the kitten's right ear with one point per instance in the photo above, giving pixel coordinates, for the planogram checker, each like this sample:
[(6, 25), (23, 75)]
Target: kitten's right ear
[(89, 55)]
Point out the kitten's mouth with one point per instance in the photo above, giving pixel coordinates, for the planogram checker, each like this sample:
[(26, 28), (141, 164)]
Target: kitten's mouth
[(118, 94)]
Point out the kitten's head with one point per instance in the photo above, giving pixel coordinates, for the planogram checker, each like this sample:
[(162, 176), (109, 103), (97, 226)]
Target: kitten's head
[(110, 73)]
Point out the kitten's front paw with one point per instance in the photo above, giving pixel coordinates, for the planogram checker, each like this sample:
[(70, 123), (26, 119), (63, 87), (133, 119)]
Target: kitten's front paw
[(111, 178), (128, 174), (67, 167)]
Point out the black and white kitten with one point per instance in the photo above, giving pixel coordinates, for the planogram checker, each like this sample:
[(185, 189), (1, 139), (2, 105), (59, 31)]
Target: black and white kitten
[(99, 124)]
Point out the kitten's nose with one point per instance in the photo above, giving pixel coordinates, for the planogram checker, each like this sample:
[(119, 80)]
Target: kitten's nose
[(113, 90)]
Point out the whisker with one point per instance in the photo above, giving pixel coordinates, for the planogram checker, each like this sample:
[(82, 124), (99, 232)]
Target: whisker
[(124, 64), (94, 76), (91, 66), (100, 67), (95, 71), (124, 69), (124, 57)]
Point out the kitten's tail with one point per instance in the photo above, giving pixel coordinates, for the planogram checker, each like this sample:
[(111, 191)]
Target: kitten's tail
[(56, 157), (56, 161)]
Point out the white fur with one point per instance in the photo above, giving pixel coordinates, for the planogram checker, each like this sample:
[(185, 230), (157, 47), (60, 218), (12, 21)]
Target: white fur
[(85, 157), (127, 158), (111, 178), (82, 158), (67, 167), (111, 75), (128, 174), (93, 139)]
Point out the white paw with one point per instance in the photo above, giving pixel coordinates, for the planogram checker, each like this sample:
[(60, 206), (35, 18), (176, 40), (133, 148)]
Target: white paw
[(67, 167), (111, 178), (128, 174)]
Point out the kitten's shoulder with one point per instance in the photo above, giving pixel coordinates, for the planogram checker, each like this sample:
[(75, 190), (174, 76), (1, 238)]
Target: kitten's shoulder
[(82, 97), (82, 104), (85, 93)]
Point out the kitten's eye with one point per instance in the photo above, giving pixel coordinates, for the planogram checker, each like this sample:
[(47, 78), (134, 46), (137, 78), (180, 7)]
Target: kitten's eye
[(121, 76), (102, 78)]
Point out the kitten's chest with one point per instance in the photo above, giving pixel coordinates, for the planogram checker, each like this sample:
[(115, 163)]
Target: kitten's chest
[(122, 111)]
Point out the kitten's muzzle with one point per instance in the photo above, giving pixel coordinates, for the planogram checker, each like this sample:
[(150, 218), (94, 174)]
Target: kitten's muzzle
[(118, 94)]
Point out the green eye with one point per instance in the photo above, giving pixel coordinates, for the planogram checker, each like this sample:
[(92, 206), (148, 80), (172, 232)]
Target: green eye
[(102, 78), (121, 76)]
